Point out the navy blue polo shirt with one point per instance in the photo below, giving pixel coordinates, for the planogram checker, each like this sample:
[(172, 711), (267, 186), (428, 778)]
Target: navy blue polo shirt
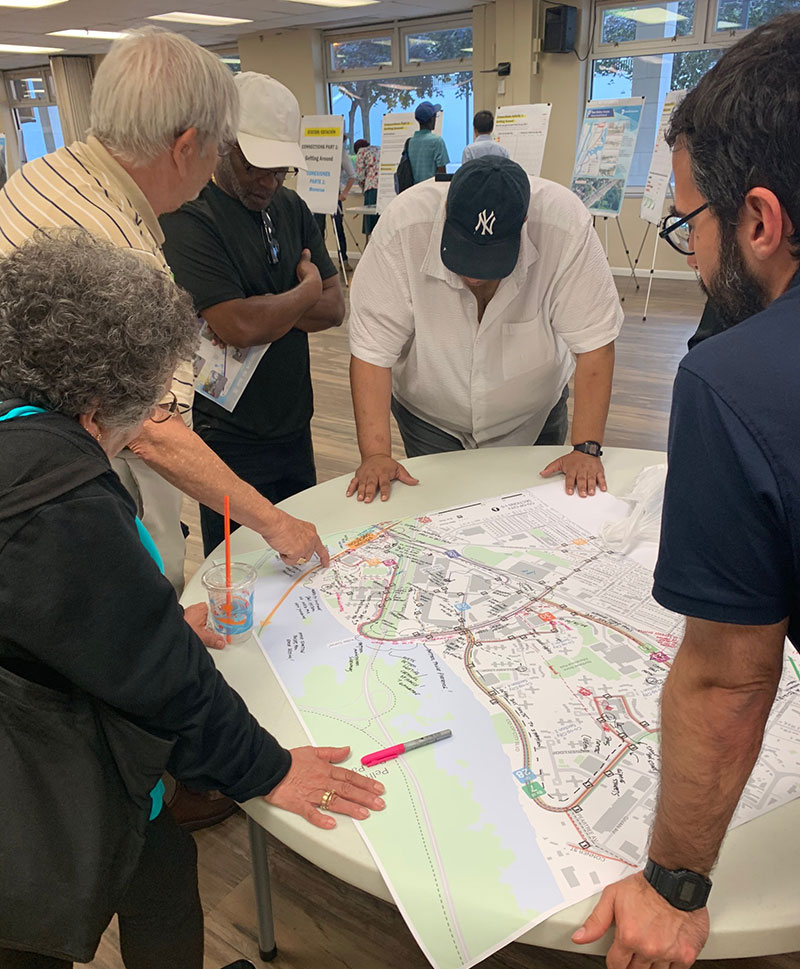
[(730, 534)]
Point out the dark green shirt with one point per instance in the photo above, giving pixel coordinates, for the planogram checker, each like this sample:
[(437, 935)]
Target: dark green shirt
[(217, 250)]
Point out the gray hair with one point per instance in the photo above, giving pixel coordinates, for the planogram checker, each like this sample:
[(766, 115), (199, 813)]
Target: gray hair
[(152, 86), (86, 326)]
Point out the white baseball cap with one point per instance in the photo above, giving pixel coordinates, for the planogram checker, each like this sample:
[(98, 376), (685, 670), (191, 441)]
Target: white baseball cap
[(269, 122)]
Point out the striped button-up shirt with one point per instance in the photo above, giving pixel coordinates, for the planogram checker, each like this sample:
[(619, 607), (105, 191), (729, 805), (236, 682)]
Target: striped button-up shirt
[(83, 186)]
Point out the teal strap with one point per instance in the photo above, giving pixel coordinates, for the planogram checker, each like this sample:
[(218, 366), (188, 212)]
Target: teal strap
[(25, 411), (147, 540), (157, 794)]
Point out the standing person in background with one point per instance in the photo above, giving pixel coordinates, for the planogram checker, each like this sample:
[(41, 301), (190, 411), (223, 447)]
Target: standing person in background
[(484, 144), (368, 166), (427, 151), (347, 179), (250, 253)]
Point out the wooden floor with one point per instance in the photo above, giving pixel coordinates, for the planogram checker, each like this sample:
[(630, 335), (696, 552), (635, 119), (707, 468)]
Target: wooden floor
[(320, 921)]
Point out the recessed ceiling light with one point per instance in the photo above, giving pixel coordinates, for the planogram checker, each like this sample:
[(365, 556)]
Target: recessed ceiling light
[(91, 34), (335, 3), (177, 17), (651, 15), (21, 49), (30, 4)]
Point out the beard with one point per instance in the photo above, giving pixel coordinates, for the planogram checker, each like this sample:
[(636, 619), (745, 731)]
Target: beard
[(229, 182), (736, 292)]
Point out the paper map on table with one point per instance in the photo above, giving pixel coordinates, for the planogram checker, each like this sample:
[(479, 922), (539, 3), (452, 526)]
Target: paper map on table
[(545, 655)]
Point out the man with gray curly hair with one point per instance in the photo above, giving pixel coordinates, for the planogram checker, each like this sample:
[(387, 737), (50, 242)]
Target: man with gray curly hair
[(162, 107), (102, 681)]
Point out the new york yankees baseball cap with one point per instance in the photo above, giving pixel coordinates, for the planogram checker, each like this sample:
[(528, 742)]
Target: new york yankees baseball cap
[(487, 205)]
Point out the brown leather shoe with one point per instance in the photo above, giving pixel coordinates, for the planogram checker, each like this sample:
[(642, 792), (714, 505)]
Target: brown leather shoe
[(199, 809)]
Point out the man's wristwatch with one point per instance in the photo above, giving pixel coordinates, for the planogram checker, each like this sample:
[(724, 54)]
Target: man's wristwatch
[(683, 889), (589, 447)]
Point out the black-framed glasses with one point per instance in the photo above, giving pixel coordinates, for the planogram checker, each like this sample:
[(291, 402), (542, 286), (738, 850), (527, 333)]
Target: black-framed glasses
[(168, 408), (675, 230), (272, 244)]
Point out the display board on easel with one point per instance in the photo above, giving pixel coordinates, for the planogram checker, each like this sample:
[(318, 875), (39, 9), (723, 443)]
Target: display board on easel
[(395, 129), (657, 184), (603, 160), (321, 144), (522, 130), (605, 154)]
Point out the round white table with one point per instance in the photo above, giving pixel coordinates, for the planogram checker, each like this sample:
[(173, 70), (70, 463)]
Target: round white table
[(753, 905)]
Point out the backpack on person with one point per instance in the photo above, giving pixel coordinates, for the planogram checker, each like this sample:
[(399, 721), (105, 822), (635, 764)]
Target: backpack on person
[(404, 176)]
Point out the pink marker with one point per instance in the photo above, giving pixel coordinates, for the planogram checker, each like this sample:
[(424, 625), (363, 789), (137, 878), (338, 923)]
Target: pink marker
[(389, 753)]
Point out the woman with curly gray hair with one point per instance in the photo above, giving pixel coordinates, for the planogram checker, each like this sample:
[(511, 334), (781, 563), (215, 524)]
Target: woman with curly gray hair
[(103, 684)]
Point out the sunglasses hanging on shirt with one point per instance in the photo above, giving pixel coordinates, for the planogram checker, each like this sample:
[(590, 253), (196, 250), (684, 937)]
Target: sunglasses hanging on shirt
[(273, 246)]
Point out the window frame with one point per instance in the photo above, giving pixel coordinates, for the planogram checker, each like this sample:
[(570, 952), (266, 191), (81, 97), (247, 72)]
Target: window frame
[(43, 70), (397, 31), (703, 37)]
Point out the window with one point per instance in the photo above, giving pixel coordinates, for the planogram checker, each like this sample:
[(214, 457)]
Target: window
[(652, 47), (426, 46), (363, 53), (391, 69), (733, 15), (650, 21), (33, 103), (651, 75), (231, 60)]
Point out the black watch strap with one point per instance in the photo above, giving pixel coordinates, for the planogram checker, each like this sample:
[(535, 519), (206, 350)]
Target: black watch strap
[(683, 889), (589, 447)]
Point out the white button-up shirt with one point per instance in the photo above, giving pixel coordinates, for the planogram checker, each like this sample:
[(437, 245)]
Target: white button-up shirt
[(495, 382)]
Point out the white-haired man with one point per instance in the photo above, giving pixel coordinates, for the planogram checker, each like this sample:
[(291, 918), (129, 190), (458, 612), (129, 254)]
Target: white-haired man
[(161, 108)]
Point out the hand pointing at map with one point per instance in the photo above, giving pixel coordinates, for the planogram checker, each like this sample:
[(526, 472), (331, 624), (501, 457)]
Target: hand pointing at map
[(314, 782)]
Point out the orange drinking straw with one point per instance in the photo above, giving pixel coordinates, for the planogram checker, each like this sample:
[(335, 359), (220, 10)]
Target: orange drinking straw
[(228, 561)]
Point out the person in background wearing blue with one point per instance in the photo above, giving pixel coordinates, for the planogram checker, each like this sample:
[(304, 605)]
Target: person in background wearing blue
[(729, 558), (89, 336), (484, 144), (427, 151)]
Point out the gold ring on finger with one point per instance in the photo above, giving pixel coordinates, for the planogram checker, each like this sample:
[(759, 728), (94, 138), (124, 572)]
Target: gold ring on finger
[(327, 797), (302, 561)]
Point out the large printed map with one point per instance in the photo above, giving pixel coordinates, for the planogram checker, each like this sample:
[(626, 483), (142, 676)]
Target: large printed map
[(545, 654)]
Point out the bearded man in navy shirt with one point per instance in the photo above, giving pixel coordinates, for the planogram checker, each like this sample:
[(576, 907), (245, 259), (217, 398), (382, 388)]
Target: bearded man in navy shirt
[(730, 545)]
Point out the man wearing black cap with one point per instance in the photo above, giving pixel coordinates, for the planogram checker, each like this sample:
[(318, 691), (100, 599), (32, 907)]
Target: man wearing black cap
[(427, 151), (470, 310)]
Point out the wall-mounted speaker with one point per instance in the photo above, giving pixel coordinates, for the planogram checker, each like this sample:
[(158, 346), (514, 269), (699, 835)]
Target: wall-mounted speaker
[(560, 27)]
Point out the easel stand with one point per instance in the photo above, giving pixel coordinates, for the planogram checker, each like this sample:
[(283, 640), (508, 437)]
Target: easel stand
[(335, 236), (638, 256), (632, 266), (652, 271)]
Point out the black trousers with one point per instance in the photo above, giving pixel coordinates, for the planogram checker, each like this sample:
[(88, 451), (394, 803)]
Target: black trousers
[(276, 471), (160, 918)]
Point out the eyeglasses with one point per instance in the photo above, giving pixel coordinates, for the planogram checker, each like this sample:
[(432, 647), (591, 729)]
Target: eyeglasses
[(279, 174), (675, 230), (168, 408), (273, 246)]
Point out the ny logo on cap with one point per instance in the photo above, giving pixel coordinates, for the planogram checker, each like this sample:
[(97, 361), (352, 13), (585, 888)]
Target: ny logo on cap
[(485, 223)]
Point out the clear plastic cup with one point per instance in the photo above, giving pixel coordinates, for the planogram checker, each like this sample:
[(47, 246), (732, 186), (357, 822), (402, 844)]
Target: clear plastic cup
[(231, 606)]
